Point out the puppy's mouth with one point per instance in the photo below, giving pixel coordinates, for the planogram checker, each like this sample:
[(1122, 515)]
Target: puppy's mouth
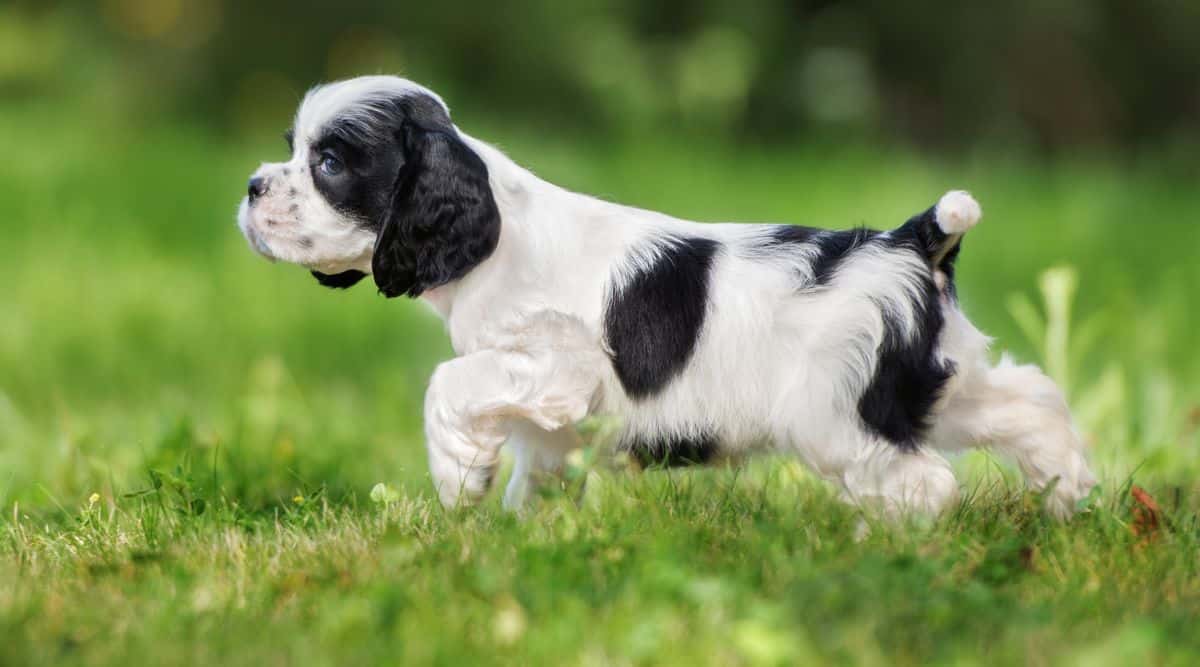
[(253, 236)]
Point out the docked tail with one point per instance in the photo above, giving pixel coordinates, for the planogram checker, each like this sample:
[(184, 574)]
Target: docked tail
[(937, 232)]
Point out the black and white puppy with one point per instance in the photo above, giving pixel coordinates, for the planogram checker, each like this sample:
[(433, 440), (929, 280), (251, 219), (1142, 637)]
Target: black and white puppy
[(845, 348)]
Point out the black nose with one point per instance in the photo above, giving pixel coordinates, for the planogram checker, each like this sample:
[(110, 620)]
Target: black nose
[(258, 187)]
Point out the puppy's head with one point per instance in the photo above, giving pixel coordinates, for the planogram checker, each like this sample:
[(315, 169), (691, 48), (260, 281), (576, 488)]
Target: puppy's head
[(379, 182)]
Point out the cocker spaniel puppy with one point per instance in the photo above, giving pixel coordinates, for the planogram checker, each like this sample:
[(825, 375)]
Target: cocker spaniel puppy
[(845, 348)]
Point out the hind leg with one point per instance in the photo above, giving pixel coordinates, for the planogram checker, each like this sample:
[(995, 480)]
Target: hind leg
[(874, 473), (900, 482), (1022, 414)]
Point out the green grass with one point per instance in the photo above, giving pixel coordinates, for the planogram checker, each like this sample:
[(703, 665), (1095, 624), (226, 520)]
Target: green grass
[(231, 419)]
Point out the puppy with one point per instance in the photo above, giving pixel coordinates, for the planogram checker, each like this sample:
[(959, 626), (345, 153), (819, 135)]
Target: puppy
[(845, 348)]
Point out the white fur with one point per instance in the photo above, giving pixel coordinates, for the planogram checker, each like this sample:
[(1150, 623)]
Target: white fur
[(957, 212), (776, 366)]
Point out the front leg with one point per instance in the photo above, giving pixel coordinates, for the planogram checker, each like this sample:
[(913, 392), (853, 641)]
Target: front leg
[(542, 376)]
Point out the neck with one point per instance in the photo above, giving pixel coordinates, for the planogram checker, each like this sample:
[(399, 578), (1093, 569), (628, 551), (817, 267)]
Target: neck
[(555, 250), (441, 299), (517, 192)]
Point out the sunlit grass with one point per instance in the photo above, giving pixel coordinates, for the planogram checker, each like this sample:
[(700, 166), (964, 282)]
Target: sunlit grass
[(757, 566)]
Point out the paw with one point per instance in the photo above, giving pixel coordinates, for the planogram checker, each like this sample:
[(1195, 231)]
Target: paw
[(1070, 490), (957, 211), (464, 486), (902, 485), (462, 471)]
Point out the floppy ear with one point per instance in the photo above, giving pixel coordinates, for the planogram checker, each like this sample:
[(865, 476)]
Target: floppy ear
[(443, 219), (343, 280)]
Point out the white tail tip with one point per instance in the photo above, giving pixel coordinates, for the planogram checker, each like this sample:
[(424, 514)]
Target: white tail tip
[(957, 211)]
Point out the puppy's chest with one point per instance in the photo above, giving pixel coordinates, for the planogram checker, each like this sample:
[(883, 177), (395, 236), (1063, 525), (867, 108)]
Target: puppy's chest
[(491, 313), (521, 325)]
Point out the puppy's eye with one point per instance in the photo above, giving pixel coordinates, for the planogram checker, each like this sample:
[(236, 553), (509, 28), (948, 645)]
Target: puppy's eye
[(331, 165)]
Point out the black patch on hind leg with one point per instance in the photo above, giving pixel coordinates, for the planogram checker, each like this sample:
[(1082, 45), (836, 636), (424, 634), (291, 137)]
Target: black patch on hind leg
[(673, 451), (652, 322), (908, 376)]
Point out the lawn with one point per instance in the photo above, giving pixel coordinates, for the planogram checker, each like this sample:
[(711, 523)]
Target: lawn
[(190, 437)]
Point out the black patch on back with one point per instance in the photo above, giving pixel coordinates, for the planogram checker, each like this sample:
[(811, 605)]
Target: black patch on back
[(653, 321), (782, 235), (908, 376), (833, 248), (672, 451)]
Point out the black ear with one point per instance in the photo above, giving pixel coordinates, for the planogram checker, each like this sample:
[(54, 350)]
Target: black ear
[(343, 280), (443, 219)]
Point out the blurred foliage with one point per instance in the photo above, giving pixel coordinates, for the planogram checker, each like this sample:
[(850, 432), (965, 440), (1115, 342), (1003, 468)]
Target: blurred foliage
[(1047, 75)]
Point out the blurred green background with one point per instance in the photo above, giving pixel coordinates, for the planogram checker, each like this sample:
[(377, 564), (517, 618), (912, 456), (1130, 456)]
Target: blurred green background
[(1043, 75), (137, 331)]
